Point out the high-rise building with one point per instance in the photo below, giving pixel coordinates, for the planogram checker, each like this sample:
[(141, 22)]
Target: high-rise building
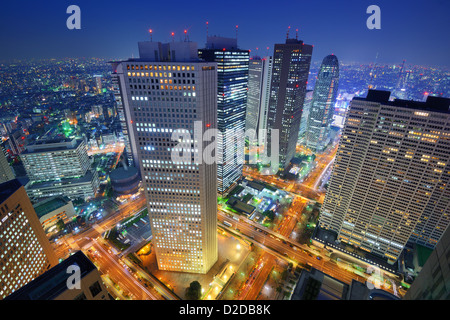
[(129, 152), (232, 84), (6, 172), (25, 250), (322, 107), (291, 62), (433, 281), (390, 180), (305, 116), (59, 167), (259, 75), (166, 91), (53, 284)]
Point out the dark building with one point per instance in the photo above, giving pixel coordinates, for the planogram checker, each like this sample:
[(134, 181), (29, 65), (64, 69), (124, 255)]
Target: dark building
[(291, 62)]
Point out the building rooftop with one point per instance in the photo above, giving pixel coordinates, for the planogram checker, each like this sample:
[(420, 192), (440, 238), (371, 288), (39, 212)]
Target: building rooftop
[(436, 104), (49, 205), (53, 282)]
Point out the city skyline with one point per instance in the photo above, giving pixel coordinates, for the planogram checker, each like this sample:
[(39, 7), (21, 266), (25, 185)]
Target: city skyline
[(403, 25), (128, 152)]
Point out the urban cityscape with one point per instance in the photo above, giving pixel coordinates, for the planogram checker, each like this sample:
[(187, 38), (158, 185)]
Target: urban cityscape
[(212, 170)]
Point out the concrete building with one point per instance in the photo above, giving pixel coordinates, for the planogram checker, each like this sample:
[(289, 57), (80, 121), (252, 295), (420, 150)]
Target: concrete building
[(25, 251), (390, 182), (433, 281), (53, 284), (232, 85), (59, 167), (305, 116), (259, 76), (291, 62), (168, 91), (322, 105), (50, 210), (6, 172)]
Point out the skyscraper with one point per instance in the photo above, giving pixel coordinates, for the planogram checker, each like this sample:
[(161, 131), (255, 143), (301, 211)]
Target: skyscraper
[(168, 90), (129, 153), (259, 75), (24, 248), (232, 84), (390, 181), (291, 62), (59, 167), (305, 116), (6, 172), (322, 107)]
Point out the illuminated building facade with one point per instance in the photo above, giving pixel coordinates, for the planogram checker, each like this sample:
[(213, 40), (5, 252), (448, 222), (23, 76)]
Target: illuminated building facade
[(322, 106), (390, 180), (232, 84), (59, 167), (169, 89), (305, 115), (291, 62), (25, 251)]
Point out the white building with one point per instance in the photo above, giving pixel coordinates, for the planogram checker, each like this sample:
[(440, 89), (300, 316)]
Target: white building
[(167, 89), (390, 181), (59, 167)]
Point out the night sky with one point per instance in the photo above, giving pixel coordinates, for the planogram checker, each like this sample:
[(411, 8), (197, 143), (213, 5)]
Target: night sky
[(417, 31)]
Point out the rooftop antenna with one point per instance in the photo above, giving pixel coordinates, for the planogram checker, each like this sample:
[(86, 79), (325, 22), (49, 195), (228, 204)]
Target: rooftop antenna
[(287, 33), (173, 36), (186, 38), (237, 27), (151, 34), (267, 51), (296, 34), (207, 25)]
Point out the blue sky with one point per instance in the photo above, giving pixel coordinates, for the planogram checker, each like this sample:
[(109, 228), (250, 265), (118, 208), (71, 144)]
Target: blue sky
[(417, 31)]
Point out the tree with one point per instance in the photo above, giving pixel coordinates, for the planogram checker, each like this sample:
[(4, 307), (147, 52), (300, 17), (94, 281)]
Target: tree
[(60, 224), (194, 291), (269, 214)]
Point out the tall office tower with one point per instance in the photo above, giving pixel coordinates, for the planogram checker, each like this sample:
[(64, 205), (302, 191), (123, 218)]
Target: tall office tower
[(305, 116), (169, 89), (390, 180), (25, 250), (291, 62), (59, 167), (52, 285), (129, 153), (322, 107), (232, 84), (259, 75), (6, 172), (433, 281)]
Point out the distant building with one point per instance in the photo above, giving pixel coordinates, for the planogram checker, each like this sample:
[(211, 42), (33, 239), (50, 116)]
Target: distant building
[(125, 181), (322, 105), (53, 284), (59, 167), (390, 181), (433, 281), (50, 210), (232, 85), (6, 172), (305, 115), (98, 83), (259, 76), (290, 71), (25, 250)]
